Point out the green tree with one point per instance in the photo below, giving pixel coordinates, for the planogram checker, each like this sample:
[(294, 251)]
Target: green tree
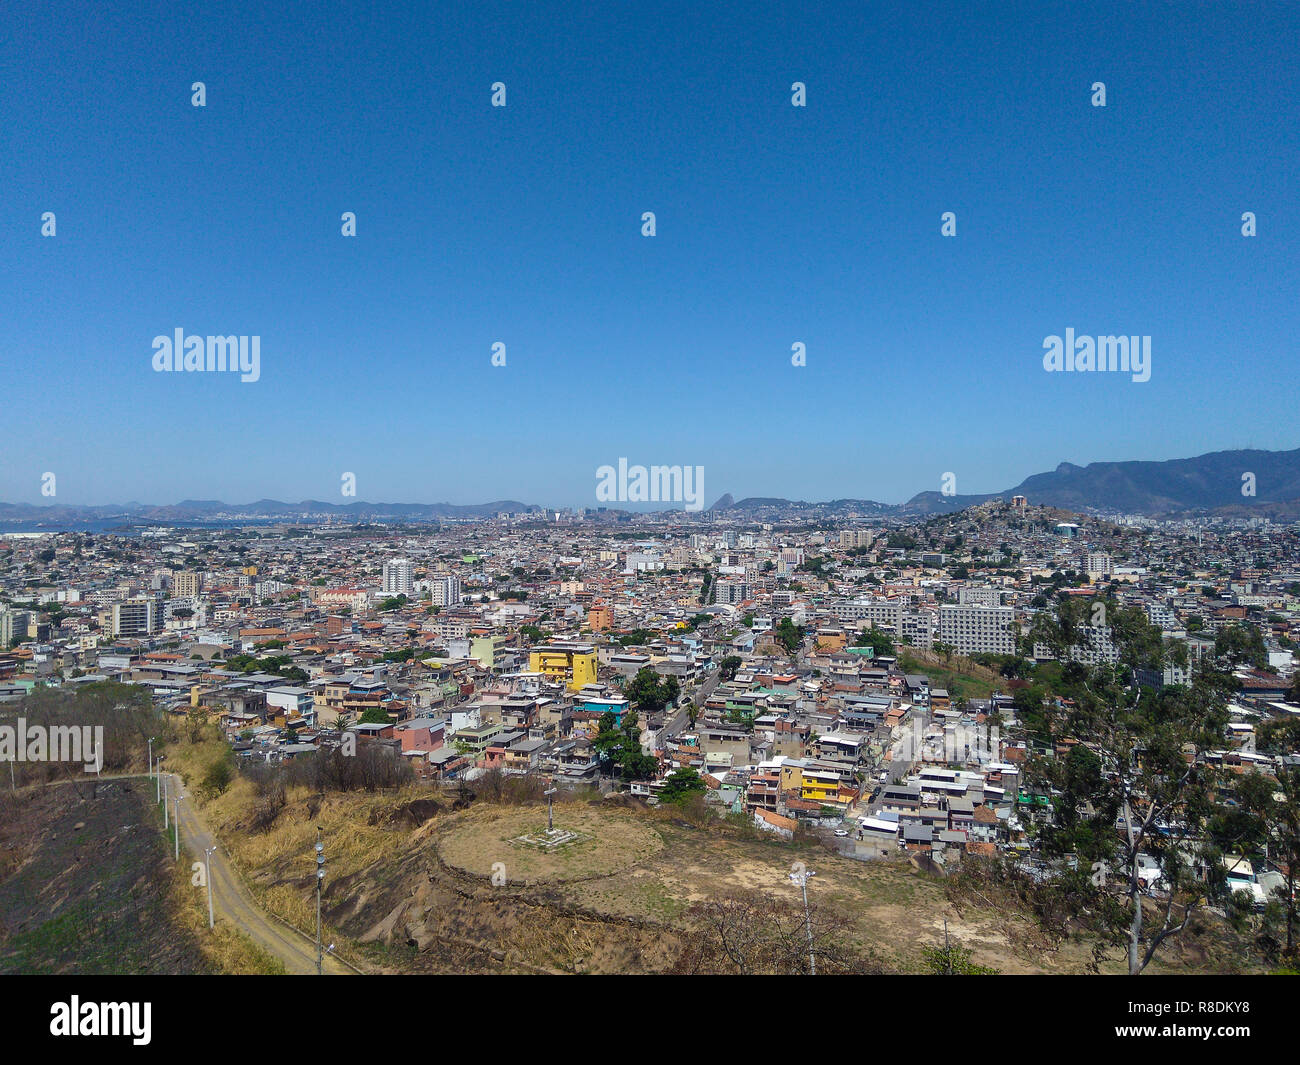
[(877, 639), (680, 784), (1241, 644), (219, 775), (637, 765), (646, 692), (1279, 735), (789, 635), (952, 960), (619, 748), (1143, 774), (1276, 803)]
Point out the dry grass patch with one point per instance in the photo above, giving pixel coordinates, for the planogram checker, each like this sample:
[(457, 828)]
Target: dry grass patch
[(610, 843)]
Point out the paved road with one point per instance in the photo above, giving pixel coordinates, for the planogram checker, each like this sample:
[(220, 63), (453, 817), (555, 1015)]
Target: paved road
[(231, 901), (901, 767), (673, 725), (706, 688)]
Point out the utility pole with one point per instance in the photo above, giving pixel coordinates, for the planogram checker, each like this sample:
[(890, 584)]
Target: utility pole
[(177, 819), (207, 870), (166, 823), (320, 880), (801, 878), (151, 739)]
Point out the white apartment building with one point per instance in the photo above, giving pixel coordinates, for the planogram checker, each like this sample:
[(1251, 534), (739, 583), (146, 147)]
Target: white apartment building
[(918, 628), (449, 629), (979, 595), (137, 617), (1099, 565), (399, 577), (883, 614), (445, 590), (977, 629), (1096, 647), (731, 591), (1160, 615)]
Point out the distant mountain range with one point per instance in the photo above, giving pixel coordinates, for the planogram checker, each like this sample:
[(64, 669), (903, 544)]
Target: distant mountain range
[(212, 510), (1212, 484)]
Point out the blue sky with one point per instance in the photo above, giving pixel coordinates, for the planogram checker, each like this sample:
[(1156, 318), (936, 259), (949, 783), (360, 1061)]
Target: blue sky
[(522, 224)]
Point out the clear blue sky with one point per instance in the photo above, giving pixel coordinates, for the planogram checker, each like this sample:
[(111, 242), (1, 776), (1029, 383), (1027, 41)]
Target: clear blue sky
[(522, 225)]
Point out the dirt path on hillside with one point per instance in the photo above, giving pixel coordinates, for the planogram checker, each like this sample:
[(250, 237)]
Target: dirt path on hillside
[(232, 901)]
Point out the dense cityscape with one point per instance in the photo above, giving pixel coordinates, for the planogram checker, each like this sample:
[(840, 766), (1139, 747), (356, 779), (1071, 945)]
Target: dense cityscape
[(896, 690), (651, 490)]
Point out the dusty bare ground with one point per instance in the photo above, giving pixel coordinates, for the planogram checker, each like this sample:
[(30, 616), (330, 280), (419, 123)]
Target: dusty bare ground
[(410, 888), (607, 843)]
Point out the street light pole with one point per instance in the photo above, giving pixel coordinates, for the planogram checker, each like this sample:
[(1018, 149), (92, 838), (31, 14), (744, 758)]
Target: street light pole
[(207, 863), (166, 823), (320, 878), (801, 878), (177, 819), (151, 739)]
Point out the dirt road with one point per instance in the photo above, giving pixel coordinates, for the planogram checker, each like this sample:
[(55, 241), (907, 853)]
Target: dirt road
[(231, 901)]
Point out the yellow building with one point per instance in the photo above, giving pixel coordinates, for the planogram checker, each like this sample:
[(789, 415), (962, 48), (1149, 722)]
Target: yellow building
[(820, 786), (573, 663)]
